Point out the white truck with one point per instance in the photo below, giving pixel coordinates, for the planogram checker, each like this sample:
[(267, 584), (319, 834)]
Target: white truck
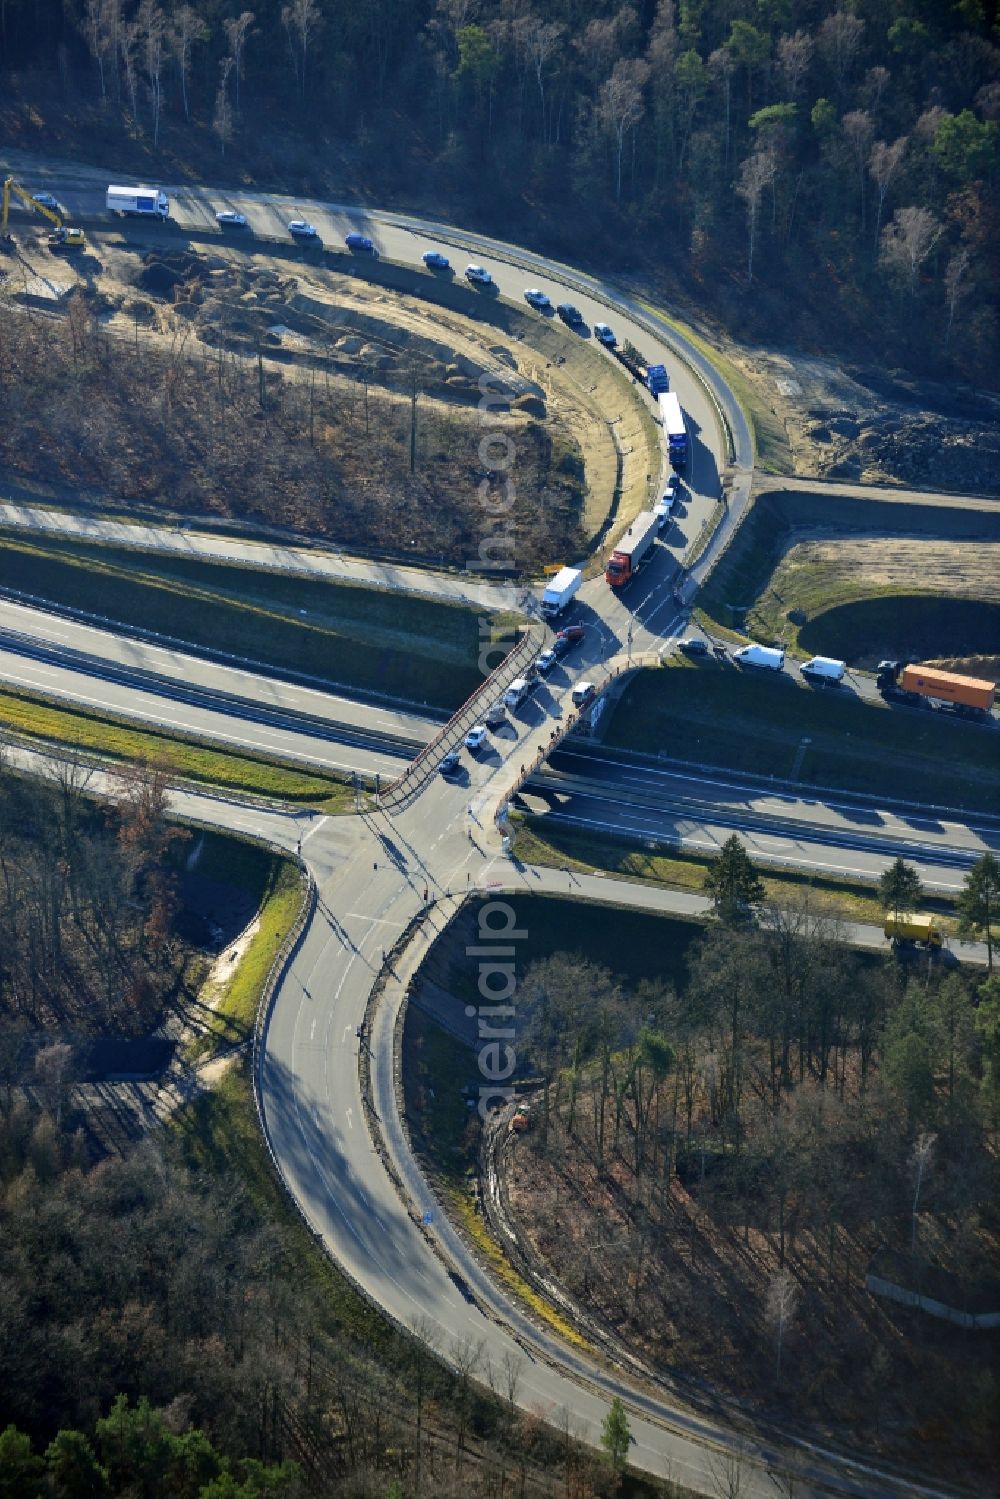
[(771, 658), (561, 591), (825, 670), (138, 202)]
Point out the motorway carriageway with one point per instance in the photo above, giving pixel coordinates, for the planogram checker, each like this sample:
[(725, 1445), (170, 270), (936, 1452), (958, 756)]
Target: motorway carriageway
[(589, 788)]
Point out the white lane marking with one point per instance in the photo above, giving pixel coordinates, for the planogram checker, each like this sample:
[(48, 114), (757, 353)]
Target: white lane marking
[(758, 794), (347, 1032), (375, 920), (313, 830), (685, 840), (350, 1118), (312, 1030)]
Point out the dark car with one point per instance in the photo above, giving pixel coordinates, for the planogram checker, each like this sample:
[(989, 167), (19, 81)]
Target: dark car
[(566, 639), (570, 314), (693, 646), (450, 763), (360, 244)]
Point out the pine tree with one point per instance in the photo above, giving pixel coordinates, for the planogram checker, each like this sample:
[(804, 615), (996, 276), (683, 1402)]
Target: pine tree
[(979, 903), (899, 889), (734, 885), (616, 1435)]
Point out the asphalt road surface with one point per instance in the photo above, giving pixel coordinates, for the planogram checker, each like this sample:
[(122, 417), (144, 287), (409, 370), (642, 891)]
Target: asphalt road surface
[(338, 1142)]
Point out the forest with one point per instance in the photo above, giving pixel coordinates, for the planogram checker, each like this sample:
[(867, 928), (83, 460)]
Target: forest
[(825, 167), (167, 1326), (715, 1166)]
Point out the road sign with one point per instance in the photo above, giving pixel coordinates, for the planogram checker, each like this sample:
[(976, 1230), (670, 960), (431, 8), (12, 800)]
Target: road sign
[(428, 1218)]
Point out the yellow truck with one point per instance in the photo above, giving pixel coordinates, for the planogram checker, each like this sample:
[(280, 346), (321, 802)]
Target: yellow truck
[(907, 927)]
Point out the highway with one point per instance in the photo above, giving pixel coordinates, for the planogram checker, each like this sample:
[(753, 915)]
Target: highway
[(403, 238), (329, 1111)]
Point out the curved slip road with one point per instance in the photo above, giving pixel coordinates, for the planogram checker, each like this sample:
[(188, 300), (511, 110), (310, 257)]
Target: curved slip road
[(371, 885)]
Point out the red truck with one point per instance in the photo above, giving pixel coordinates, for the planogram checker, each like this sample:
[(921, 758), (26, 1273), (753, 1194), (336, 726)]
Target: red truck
[(632, 549)]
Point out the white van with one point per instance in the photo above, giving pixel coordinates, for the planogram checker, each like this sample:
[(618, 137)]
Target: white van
[(772, 658), (516, 693), (824, 669), (582, 693)]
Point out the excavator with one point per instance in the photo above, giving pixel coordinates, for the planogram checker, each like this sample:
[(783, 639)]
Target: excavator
[(61, 238)]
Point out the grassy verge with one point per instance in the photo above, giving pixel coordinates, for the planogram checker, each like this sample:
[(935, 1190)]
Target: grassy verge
[(771, 450), (436, 1059), (721, 718), (372, 639), (235, 1006), (116, 739), (567, 848)]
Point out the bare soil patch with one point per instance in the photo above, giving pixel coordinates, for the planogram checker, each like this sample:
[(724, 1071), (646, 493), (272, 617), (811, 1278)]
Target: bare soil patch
[(325, 356), (877, 427)]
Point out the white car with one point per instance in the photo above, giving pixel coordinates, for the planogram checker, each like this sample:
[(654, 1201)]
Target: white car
[(435, 261), (583, 692), (479, 275), (545, 662), (475, 739), (605, 335), (229, 216), (537, 299), (302, 229)]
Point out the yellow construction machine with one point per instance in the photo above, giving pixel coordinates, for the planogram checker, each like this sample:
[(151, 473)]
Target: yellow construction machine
[(61, 238)]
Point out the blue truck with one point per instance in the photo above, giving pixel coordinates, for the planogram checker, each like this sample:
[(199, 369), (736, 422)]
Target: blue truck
[(657, 379), (673, 426)]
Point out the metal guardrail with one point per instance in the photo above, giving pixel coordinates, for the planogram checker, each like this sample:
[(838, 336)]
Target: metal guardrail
[(416, 775)]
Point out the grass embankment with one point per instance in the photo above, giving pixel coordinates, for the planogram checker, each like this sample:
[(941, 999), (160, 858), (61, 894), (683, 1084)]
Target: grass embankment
[(187, 759), (439, 1060), (721, 718), (861, 601), (771, 450), (539, 842), (278, 890), (370, 639), (859, 579)]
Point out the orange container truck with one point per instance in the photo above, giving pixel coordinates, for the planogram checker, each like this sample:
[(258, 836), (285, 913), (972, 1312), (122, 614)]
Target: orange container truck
[(947, 687)]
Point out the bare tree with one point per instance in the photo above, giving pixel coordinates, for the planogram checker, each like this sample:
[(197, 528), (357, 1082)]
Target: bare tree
[(538, 41), (186, 28), (908, 240), (955, 276), (728, 1474), (222, 119), (795, 55), (51, 1066), (128, 46), (782, 1300), (858, 131), (920, 1159), (94, 26), (883, 164), (237, 31), (302, 19), (839, 39), (621, 106), (876, 82), (756, 173), (149, 17)]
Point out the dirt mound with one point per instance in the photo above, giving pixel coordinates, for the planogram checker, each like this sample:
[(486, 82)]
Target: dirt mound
[(985, 667)]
